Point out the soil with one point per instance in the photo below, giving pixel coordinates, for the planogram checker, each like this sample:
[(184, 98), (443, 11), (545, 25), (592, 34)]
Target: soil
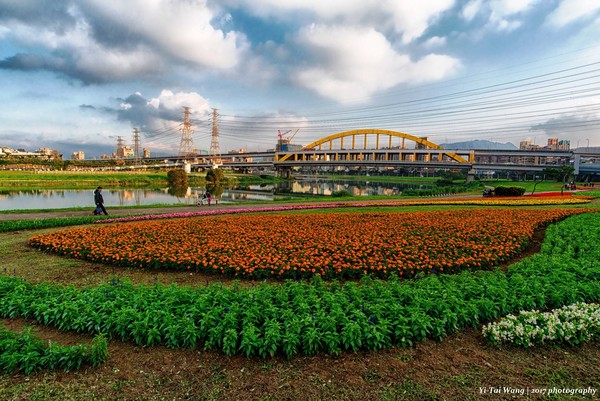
[(460, 367)]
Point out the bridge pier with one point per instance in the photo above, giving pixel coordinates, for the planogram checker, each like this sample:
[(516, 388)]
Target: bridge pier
[(470, 175), (284, 172)]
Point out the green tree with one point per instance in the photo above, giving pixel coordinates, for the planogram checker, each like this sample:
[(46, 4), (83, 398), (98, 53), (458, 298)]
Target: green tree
[(561, 174), (177, 178), (215, 175)]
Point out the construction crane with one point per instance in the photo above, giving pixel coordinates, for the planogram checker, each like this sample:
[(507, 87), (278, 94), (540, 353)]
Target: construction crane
[(283, 143), (280, 135), (293, 135)]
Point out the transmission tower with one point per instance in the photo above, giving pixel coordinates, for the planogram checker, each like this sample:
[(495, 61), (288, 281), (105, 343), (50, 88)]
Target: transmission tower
[(186, 147), (136, 146), (215, 149)]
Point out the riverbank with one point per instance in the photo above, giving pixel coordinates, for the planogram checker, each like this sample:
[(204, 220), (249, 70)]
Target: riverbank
[(169, 209)]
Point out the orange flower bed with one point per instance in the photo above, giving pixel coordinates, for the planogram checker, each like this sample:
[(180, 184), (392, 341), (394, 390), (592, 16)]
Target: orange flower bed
[(345, 245)]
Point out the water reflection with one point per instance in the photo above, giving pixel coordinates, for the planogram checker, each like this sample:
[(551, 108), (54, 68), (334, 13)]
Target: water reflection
[(60, 198)]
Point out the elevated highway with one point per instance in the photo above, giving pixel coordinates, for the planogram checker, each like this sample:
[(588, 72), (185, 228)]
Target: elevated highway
[(375, 148)]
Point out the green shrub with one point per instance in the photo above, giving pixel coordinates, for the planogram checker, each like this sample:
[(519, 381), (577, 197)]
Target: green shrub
[(24, 352), (342, 193), (177, 178), (509, 191)]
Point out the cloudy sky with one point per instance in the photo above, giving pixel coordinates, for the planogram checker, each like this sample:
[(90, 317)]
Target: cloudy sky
[(78, 74)]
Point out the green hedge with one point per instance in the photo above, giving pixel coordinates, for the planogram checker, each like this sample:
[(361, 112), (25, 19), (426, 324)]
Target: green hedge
[(16, 225), (24, 352), (509, 191)]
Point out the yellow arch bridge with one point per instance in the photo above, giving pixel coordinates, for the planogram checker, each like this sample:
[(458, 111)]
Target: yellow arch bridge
[(373, 146)]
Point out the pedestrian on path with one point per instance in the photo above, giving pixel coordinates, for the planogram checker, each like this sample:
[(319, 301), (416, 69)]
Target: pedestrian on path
[(99, 201)]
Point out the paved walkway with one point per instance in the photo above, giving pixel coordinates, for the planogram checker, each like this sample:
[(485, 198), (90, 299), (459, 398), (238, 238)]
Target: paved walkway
[(132, 211), (182, 209)]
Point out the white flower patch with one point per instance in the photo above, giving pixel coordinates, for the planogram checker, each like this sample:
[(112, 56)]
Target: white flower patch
[(572, 324)]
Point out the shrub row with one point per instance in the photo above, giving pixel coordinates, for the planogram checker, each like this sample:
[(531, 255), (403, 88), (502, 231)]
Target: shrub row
[(16, 225), (24, 352), (509, 191), (441, 190)]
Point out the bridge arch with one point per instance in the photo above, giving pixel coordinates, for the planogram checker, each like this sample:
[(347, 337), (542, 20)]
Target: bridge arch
[(365, 132)]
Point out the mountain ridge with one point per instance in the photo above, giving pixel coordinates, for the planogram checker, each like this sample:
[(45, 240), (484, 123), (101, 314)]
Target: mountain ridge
[(479, 144)]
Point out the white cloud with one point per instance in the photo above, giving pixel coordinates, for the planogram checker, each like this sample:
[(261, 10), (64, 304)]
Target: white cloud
[(511, 7), (413, 18), (435, 41), (471, 9), (503, 24), (406, 17), (112, 40), (116, 65), (88, 60), (432, 67), (572, 10), (176, 101), (4, 32), (180, 28), (501, 15), (354, 63)]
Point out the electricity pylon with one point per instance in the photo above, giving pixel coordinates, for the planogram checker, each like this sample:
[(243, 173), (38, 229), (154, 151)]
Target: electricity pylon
[(136, 146), (186, 146), (215, 149)]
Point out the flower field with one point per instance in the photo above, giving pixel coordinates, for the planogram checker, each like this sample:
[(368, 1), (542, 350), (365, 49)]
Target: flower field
[(344, 245), (555, 199), (308, 317)]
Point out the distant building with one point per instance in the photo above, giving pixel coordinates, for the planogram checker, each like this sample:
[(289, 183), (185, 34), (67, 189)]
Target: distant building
[(528, 145), (524, 144), (564, 145), (552, 144), (124, 152), (79, 155), (290, 147), (46, 151), (42, 153), (5, 152), (146, 153)]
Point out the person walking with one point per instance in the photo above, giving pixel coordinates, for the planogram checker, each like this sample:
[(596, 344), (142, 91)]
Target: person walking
[(202, 200), (99, 201)]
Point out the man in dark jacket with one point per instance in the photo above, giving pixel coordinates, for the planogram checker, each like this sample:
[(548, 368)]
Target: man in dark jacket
[(99, 201)]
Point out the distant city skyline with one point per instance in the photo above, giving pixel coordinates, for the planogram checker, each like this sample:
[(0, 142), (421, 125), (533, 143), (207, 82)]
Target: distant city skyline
[(77, 74), (127, 152)]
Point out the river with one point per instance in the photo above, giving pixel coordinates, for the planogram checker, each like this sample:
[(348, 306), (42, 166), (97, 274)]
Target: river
[(68, 198)]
